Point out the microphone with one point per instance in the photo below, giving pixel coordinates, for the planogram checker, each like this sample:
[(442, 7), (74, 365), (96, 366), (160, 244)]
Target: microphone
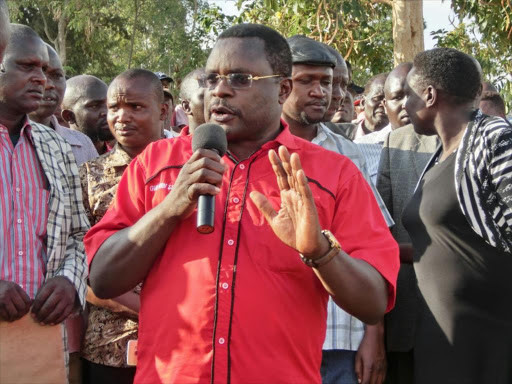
[(213, 137)]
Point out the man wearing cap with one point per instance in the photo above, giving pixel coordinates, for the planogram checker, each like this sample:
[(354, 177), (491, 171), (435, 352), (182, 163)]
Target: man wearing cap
[(169, 100), (314, 68)]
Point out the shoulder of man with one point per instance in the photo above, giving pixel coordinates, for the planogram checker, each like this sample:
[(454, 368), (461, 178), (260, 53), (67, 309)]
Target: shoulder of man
[(407, 139), (336, 128), (163, 154), (45, 134), (349, 129)]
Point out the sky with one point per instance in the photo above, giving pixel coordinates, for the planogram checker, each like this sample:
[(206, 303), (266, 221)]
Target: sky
[(436, 14)]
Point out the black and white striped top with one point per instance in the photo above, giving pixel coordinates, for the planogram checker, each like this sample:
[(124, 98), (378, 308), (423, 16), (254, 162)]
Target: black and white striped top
[(483, 179)]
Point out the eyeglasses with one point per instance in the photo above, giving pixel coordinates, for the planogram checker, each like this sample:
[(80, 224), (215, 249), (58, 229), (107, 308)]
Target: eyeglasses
[(235, 80)]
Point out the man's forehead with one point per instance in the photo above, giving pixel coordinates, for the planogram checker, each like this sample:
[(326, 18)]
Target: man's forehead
[(93, 92), (54, 61), (133, 87), (31, 48), (235, 52), (377, 87)]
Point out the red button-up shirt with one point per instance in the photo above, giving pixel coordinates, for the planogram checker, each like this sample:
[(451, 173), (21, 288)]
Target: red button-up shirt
[(238, 305)]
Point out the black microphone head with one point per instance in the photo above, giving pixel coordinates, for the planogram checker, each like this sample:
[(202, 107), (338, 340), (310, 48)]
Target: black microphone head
[(210, 136)]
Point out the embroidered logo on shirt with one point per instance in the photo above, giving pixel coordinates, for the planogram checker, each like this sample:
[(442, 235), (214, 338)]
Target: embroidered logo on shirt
[(155, 188)]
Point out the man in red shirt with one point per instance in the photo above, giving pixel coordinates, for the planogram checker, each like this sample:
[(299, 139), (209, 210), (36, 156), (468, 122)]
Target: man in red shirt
[(239, 304)]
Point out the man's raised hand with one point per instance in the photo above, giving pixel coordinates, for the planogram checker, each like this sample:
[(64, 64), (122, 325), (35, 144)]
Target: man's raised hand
[(296, 223)]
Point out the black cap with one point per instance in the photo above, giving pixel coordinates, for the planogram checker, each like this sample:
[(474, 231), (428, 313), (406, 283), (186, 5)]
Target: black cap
[(162, 76), (310, 52)]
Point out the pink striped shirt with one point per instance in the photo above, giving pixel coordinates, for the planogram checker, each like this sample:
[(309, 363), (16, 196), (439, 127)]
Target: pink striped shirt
[(24, 212)]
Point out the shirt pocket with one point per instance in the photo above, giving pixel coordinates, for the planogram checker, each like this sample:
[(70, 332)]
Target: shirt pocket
[(38, 205), (266, 250)]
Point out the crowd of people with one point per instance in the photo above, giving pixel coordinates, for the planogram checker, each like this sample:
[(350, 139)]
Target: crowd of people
[(362, 235)]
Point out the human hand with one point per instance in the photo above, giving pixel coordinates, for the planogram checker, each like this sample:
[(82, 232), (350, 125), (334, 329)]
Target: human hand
[(54, 302), (201, 175), (371, 365), (296, 223), (14, 301)]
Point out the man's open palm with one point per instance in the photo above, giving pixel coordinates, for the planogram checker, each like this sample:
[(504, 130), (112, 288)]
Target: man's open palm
[(296, 222)]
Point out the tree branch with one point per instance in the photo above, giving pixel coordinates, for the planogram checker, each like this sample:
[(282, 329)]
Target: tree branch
[(46, 30), (318, 21)]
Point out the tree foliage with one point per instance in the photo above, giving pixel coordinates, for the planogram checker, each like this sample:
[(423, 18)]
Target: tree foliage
[(485, 32), (361, 30), (105, 37)]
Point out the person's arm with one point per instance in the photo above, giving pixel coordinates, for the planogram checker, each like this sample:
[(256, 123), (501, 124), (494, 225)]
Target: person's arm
[(67, 287), (406, 253), (383, 184), (125, 258), (128, 304), (354, 284), (370, 364), (500, 163)]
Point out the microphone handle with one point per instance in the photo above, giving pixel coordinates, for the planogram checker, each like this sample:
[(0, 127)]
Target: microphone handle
[(205, 214)]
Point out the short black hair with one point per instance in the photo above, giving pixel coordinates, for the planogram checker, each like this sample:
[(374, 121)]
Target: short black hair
[(277, 49), (189, 83), (450, 71), (496, 101), (152, 80), (373, 79)]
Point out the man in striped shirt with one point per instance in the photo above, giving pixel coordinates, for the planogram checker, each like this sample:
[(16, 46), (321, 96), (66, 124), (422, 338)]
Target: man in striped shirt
[(42, 260)]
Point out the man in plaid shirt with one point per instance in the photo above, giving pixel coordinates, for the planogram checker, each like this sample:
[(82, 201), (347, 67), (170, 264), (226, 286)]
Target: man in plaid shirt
[(42, 259)]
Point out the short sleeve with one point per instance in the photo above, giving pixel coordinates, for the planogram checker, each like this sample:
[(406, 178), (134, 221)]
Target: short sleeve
[(362, 231), (127, 209)]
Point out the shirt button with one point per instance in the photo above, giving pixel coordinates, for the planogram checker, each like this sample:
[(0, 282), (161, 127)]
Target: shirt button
[(230, 242), (242, 166), (236, 200), (225, 285), (17, 189), (19, 221), (221, 340), (20, 253)]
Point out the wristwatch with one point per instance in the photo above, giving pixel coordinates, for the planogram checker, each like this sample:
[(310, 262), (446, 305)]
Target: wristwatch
[(333, 251)]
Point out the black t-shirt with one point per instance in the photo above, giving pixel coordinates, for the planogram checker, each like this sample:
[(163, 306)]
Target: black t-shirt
[(464, 333)]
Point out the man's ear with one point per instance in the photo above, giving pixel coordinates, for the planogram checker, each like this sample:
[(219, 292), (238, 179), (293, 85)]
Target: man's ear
[(385, 107), (430, 95), (69, 116), (285, 88), (362, 103), (185, 104), (164, 111)]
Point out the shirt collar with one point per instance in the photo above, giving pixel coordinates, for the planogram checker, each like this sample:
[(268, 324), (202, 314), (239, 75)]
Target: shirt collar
[(321, 134), (26, 129), (284, 137), (117, 157), (184, 131), (61, 130)]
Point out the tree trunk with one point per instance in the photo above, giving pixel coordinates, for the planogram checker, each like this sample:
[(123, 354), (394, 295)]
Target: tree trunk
[(132, 42), (407, 30), (62, 37)]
